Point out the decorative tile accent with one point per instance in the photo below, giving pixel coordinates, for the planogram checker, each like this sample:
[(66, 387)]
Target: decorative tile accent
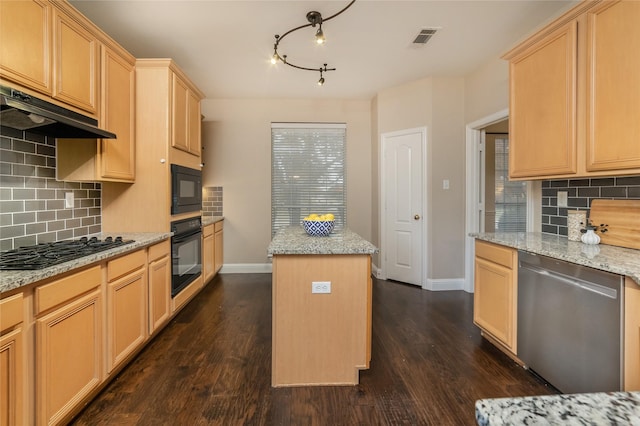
[(212, 201), (32, 209), (580, 193)]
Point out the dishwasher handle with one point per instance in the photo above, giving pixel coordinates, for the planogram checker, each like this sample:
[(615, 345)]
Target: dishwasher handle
[(575, 282)]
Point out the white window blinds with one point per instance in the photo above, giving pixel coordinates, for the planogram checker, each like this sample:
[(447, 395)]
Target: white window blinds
[(307, 172), (511, 196)]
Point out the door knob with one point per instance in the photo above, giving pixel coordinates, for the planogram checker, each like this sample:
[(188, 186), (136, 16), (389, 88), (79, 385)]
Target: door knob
[(417, 217)]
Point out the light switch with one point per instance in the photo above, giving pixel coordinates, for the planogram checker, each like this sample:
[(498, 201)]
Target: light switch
[(445, 184), (68, 200)]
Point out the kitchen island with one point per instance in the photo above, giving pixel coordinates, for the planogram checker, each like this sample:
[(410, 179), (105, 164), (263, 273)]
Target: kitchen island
[(321, 298)]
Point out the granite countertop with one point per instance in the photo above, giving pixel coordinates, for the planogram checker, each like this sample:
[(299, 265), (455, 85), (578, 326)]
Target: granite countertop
[(294, 240), (618, 260), (599, 408), (208, 220), (10, 280)]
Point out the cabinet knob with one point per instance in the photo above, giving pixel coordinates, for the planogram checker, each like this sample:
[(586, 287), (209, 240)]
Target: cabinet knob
[(417, 217), (162, 160)]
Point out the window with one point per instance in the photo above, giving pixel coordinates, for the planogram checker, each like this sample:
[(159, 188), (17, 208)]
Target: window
[(510, 196), (307, 172)]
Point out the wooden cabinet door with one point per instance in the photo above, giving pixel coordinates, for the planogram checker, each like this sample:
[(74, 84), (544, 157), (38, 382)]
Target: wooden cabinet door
[(493, 307), (11, 378), (219, 250), (75, 63), (179, 115), (159, 287), (542, 106), (613, 86), (117, 156), (25, 46), (195, 142), (68, 356), (126, 317), (12, 373), (208, 253)]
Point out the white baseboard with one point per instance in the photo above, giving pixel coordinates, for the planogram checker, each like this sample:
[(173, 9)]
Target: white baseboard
[(375, 271), (444, 284), (246, 268)]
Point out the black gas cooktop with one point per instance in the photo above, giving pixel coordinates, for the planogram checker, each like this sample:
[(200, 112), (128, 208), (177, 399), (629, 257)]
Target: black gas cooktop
[(49, 254)]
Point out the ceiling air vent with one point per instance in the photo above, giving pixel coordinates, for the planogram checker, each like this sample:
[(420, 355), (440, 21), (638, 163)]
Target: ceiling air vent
[(424, 35)]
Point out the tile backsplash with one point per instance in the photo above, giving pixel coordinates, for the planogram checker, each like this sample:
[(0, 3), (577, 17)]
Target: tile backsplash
[(32, 201), (580, 192), (212, 201)]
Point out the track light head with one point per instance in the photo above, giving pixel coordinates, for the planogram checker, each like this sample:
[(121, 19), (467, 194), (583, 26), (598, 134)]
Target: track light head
[(320, 35)]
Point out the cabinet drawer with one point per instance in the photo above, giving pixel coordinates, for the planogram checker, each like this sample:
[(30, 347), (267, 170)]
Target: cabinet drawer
[(49, 295), (11, 310), (218, 226), (159, 250), (208, 230), (495, 253), (125, 264)]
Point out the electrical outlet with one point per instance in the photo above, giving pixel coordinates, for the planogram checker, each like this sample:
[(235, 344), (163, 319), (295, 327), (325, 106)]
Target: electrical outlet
[(68, 200), (321, 287), (562, 198)]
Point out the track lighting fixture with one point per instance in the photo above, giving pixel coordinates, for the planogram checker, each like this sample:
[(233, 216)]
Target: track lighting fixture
[(314, 18)]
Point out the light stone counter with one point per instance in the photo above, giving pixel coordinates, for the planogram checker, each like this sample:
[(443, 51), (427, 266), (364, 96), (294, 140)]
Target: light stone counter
[(10, 280), (614, 259), (294, 240), (600, 408), (208, 220)]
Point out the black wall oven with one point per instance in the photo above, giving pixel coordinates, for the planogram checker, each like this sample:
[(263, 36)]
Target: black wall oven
[(186, 189), (186, 253)]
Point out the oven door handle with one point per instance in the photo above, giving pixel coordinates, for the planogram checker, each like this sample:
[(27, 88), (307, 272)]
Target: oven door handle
[(183, 238)]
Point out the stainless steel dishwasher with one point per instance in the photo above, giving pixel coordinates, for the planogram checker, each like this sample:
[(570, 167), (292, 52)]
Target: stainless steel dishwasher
[(570, 324)]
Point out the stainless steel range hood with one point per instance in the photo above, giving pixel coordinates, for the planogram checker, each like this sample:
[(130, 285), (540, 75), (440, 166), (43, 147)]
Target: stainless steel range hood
[(21, 111)]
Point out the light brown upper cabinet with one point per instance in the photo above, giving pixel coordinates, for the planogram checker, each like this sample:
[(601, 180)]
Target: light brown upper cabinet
[(575, 95), (25, 50), (116, 157), (185, 108), (75, 62), (613, 86)]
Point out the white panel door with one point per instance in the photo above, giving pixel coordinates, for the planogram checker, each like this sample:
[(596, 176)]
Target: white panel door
[(403, 189)]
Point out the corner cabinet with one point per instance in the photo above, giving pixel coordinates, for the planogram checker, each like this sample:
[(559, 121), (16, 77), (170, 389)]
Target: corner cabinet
[(496, 293), (574, 90)]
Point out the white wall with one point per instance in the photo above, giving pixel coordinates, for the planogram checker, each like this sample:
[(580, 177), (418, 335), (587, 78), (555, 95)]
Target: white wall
[(236, 137), (438, 104), (486, 90)]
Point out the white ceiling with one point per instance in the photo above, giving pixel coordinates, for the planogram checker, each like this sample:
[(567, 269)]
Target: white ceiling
[(225, 46)]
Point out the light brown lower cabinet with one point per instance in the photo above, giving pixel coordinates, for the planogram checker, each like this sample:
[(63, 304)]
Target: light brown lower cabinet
[(127, 317), (495, 294), (208, 253), (631, 335), (69, 345), (159, 260), (12, 375), (218, 244)]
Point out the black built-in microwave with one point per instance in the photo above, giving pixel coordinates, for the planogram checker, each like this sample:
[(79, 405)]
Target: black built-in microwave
[(186, 189)]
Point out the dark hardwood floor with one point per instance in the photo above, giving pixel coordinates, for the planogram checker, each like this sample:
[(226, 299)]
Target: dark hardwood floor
[(212, 366)]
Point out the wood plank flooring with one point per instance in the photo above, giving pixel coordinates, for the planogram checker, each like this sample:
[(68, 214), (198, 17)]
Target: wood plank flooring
[(212, 366)]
